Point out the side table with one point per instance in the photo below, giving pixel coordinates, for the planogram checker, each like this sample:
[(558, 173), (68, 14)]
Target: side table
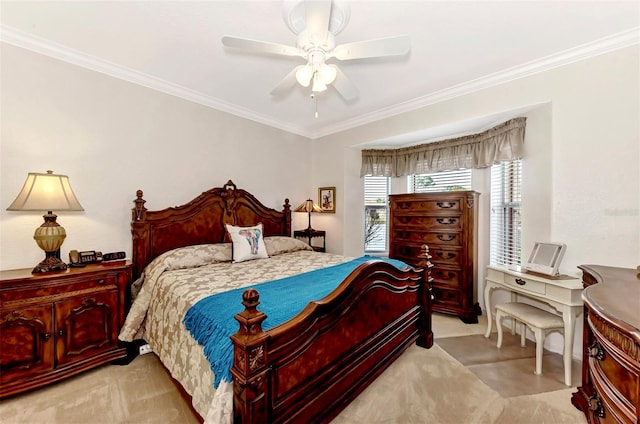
[(309, 234)]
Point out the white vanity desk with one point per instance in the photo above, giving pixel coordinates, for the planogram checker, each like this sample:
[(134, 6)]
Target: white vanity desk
[(563, 293)]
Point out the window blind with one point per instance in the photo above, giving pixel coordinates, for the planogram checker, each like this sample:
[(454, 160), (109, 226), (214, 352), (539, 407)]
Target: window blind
[(376, 194), (459, 179), (506, 222)]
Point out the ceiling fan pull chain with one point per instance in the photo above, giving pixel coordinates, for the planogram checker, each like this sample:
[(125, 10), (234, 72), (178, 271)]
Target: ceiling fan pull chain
[(315, 103)]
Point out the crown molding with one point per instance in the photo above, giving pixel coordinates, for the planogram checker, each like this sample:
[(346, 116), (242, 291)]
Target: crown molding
[(604, 45), (57, 51), (40, 45)]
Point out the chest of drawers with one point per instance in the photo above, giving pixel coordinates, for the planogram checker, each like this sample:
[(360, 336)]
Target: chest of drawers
[(610, 387), (447, 223)]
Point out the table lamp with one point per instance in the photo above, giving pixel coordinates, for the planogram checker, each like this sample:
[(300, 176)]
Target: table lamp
[(47, 192), (309, 206)]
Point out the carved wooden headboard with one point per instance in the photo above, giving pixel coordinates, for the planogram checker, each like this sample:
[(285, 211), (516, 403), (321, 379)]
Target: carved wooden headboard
[(200, 221)]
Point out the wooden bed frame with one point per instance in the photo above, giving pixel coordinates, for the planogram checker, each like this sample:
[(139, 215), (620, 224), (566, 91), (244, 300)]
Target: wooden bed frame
[(311, 367)]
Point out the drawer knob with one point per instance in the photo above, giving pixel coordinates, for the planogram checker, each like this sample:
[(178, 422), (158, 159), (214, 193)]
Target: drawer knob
[(521, 282), (446, 237), (595, 405), (446, 275), (60, 333), (596, 350), (445, 205), (101, 282), (46, 336)]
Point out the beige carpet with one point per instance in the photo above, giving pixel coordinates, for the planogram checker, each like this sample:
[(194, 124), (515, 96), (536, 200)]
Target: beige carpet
[(422, 386), (509, 370), (429, 386)]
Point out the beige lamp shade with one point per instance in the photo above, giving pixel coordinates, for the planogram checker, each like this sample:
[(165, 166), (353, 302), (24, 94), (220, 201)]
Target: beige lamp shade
[(309, 206), (47, 192)]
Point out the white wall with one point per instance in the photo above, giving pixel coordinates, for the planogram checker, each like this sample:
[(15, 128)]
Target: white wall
[(111, 138), (581, 170)]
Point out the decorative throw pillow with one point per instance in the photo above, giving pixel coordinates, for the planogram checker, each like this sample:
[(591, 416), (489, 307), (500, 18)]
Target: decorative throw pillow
[(248, 243)]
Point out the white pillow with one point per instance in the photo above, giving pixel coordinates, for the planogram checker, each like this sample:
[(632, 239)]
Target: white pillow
[(248, 242)]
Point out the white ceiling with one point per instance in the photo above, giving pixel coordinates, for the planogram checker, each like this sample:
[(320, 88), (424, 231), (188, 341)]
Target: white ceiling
[(457, 47)]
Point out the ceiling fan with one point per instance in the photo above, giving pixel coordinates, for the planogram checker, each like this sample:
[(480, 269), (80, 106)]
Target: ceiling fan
[(316, 23)]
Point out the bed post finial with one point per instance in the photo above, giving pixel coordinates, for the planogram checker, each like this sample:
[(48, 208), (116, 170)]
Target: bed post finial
[(139, 210), (425, 339), (286, 208), (230, 195), (249, 359)]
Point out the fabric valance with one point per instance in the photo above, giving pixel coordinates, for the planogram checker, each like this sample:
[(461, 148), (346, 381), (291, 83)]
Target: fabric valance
[(500, 143)]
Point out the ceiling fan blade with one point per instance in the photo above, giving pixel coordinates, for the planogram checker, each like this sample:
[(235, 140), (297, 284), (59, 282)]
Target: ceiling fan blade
[(286, 83), (392, 46), (344, 86), (317, 14), (261, 46)]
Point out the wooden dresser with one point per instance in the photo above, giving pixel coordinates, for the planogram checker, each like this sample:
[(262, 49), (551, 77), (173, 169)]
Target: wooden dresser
[(447, 223), (54, 325), (610, 387)]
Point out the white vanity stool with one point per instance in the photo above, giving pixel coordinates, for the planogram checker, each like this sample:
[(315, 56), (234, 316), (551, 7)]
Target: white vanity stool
[(541, 322)]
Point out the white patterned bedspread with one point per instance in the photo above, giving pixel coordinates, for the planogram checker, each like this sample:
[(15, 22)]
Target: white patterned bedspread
[(178, 279)]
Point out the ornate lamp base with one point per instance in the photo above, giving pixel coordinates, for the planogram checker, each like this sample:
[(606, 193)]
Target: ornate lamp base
[(49, 237), (50, 263)]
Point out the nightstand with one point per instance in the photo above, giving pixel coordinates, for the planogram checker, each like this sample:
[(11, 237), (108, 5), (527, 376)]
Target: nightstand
[(58, 324), (308, 235)]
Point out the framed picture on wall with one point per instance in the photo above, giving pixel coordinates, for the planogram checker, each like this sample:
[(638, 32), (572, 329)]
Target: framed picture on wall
[(327, 199)]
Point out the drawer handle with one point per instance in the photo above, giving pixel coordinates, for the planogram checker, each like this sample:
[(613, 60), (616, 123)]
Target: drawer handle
[(60, 333), (446, 221), (595, 405), (46, 336), (100, 282), (446, 237), (521, 282), (449, 255), (445, 205), (446, 275), (596, 351)]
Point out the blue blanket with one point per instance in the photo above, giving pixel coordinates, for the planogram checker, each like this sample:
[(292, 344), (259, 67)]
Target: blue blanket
[(211, 321)]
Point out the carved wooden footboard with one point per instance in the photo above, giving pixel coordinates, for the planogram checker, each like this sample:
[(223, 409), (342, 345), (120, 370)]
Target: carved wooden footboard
[(309, 368)]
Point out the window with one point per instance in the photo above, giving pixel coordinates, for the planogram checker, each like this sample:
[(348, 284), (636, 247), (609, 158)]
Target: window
[(376, 192), (459, 179), (506, 222)]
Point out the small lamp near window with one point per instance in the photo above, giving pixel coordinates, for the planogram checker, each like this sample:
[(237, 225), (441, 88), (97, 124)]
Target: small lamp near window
[(309, 206), (47, 192)]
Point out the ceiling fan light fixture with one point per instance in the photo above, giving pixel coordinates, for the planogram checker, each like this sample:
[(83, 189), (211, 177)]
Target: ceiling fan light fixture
[(304, 75), (327, 73)]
